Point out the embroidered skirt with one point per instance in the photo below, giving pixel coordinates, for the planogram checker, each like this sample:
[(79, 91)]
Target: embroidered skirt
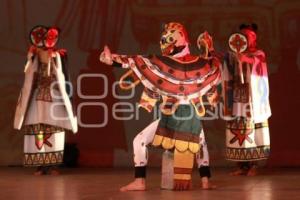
[(246, 140), (180, 130), (43, 145)]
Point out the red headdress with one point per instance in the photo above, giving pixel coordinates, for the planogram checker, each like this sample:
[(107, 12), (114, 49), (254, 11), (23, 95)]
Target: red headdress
[(250, 32)]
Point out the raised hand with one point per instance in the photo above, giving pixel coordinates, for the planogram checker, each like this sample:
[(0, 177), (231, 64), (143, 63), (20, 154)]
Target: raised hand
[(31, 51), (106, 56), (244, 58)]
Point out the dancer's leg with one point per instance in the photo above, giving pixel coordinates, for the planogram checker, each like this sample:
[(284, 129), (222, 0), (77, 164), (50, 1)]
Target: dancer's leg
[(203, 163), (53, 170), (140, 151), (253, 169), (243, 168), (39, 171)]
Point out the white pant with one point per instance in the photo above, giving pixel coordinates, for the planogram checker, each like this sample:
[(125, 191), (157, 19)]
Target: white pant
[(145, 137)]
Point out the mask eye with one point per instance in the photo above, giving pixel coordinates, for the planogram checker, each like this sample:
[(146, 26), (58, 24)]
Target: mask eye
[(163, 40), (172, 31), (170, 39)]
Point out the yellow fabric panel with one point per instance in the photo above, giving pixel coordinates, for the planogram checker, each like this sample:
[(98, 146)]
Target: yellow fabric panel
[(157, 140), (183, 160), (182, 176), (168, 143), (181, 145), (194, 147)]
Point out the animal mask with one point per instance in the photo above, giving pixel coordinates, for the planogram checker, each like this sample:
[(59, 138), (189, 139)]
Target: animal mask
[(174, 39)]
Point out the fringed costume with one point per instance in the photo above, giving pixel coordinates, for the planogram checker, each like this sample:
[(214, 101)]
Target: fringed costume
[(44, 109), (179, 80), (246, 102)]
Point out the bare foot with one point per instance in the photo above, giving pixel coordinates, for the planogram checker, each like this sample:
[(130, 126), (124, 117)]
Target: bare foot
[(54, 172), (38, 173), (239, 172), (206, 185), (137, 185), (252, 171)]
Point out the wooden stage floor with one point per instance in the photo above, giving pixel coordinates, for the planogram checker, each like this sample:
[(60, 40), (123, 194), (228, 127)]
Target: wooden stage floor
[(102, 184)]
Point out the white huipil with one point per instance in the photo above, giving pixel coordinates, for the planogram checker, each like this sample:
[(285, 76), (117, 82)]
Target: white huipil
[(44, 112), (247, 109)]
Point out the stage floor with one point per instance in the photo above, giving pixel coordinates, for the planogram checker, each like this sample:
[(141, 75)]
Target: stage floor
[(102, 184)]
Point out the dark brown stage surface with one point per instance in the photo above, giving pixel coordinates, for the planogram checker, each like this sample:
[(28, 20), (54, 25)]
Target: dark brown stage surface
[(95, 183)]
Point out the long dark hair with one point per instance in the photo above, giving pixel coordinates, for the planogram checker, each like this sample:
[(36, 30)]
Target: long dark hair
[(252, 27)]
